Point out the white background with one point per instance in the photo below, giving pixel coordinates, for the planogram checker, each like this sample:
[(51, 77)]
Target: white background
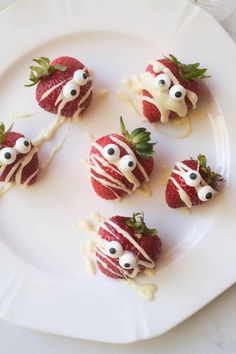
[(211, 331)]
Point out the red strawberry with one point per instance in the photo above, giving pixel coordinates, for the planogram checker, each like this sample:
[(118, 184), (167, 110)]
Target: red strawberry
[(120, 164), (191, 183), (64, 86), (18, 158), (172, 98), (126, 246)]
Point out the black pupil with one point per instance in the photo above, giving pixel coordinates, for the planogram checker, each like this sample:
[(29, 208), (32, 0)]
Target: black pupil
[(85, 76), (193, 176), (26, 143), (112, 250), (130, 164), (178, 94), (7, 155), (73, 92), (110, 151), (209, 195), (126, 265), (162, 82)]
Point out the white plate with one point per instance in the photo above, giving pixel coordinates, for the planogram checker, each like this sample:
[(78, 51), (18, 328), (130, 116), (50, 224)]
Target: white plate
[(43, 282)]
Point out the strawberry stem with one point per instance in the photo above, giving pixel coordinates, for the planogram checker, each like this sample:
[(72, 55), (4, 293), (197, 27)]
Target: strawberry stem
[(3, 131), (139, 139), (137, 223), (212, 177), (43, 69), (189, 71)]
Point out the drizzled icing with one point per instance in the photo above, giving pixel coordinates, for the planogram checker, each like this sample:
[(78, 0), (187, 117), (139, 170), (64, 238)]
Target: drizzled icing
[(160, 99), (181, 171), (110, 182), (18, 168), (101, 254)]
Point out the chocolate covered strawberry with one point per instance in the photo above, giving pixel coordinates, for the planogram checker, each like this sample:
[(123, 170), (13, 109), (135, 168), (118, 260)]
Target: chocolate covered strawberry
[(191, 183), (126, 246), (18, 158), (172, 89), (64, 86), (119, 164)]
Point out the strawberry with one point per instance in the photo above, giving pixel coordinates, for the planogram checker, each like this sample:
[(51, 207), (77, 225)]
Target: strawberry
[(18, 158), (126, 246), (174, 90), (121, 163), (191, 182), (64, 86)]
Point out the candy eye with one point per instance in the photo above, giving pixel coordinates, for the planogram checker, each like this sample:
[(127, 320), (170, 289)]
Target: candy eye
[(128, 163), (111, 152), (23, 145), (177, 92), (128, 260), (192, 178), (70, 91), (114, 249), (206, 193), (163, 82), (7, 156), (80, 77)]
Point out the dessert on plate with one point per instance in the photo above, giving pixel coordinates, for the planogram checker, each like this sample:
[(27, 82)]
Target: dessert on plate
[(119, 164), (167, 89), (192, 182), (18, 158), (126, 247), (64, 86)]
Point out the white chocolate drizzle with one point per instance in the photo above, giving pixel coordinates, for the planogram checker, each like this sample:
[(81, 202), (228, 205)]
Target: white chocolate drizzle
[(147, 291)]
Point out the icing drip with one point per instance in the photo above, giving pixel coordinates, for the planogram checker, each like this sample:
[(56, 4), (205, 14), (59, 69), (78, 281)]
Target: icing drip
[(147, 291)]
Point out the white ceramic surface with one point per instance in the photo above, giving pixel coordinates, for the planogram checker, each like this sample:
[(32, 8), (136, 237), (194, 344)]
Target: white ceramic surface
[(44, 284)]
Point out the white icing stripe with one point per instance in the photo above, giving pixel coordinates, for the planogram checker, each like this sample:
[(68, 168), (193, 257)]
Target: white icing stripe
[(126, 235), (31, 177), (79, 109), (106, 184), (106, 266), (182, 194), (105, 163), (20, 165), (48, 92)]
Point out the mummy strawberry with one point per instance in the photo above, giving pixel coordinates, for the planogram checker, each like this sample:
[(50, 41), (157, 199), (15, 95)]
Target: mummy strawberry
[(126, 246), (191, 183), (18, 158), (119, 164), (166, 90), (64, 86)]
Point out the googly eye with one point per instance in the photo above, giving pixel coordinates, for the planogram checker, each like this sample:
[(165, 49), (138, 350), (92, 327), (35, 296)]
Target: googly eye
[(192, 178), (80, 77), (163, 82), (114, 249), (70, 91), (205, 193), (177, 92), (7, 156), (111, 152), (23, 145), (128, 260), (128, 163)]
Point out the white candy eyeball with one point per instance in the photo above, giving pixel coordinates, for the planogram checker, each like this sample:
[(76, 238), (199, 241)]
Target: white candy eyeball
[(163, 82), (7, 156), (177, 92), (114, 249), (23, 145), (128, 163), (192, 178), (80, 77), (206, 193), (128, 260), (70, 91), (111, 152)]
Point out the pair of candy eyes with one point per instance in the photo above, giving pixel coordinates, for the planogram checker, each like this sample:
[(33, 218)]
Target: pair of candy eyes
[(8, 155), (193, 179), (163, 82), (112, 153), (127, 260), (71, 89)]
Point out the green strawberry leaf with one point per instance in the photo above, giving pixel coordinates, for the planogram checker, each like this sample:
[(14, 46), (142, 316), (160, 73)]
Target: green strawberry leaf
[(212, 177), (136, 222), (189, 71), (3, 131)]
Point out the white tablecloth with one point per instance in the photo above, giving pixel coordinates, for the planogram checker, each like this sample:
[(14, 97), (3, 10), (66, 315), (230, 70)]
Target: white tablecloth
[(211, 331)]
